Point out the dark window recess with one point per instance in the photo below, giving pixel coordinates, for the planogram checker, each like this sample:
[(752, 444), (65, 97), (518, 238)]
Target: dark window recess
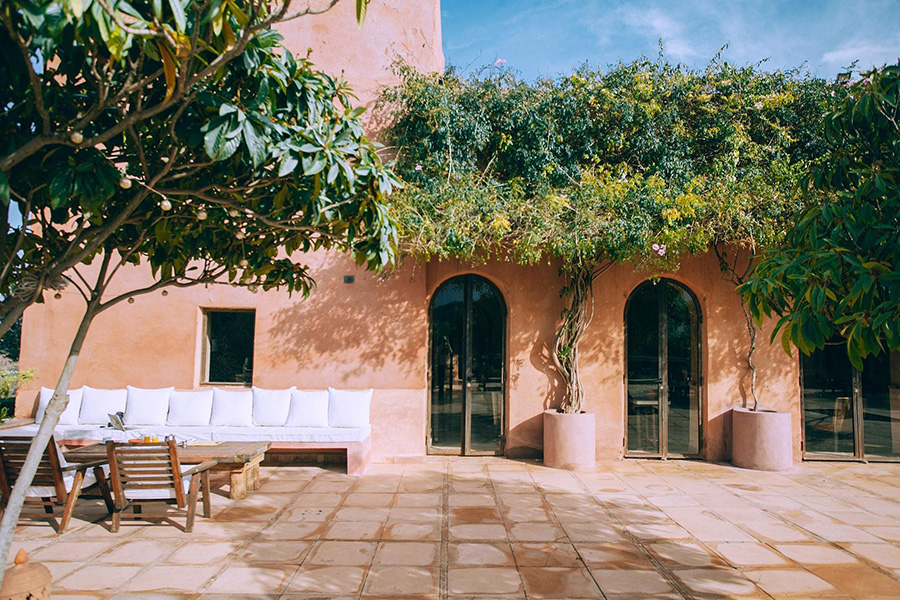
[(230, 336)]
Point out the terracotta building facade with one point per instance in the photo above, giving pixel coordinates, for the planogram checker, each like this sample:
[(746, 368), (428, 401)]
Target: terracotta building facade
[(459, 356)]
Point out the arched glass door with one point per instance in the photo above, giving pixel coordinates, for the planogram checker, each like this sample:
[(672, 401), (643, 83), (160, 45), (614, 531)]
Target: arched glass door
[(468, 332), (847, 413), (662, 340)]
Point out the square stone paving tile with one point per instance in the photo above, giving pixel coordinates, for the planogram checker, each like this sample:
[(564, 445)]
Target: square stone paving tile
[(546, 554), (816, 554), (791, 582), (859, 581), (470, 554), (559, 582), (743, 554), (171, 578), (418, 554), (258, 579), (619, 555), (392, 581), (342, 553), (327, 580), (353, 530), (482, 581), (630, 582)]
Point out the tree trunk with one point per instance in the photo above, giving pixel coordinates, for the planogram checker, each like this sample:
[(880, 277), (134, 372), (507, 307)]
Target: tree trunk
[(575, 319), (752, 331), (51, 417), (11, 317)]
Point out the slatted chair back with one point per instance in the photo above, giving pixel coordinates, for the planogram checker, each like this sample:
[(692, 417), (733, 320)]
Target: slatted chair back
[(13, 451), (145, 471)]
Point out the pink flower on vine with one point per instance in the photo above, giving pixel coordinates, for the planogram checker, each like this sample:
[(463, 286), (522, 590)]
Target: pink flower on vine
[(500, 62), (659, 249), (418, 167)]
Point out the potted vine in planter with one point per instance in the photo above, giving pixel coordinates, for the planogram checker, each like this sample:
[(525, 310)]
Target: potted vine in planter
[(761, 438)]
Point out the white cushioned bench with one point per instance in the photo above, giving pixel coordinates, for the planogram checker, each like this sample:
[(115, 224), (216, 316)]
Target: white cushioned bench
[(289, 419)]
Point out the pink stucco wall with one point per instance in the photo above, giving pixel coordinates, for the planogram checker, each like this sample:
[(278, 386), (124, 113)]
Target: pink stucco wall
[(374, 333)]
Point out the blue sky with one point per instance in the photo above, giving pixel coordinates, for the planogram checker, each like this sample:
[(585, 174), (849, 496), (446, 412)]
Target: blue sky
[(552, 37)]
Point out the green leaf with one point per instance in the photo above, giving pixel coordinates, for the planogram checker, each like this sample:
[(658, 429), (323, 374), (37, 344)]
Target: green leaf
[(255, 144), (361, 7), (178, 14), (4, 189)]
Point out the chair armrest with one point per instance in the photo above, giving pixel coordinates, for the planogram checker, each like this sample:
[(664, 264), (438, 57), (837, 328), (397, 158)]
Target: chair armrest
[(85, 465), (204, 466)]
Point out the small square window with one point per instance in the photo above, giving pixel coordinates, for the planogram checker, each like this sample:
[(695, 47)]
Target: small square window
[(229, 346)]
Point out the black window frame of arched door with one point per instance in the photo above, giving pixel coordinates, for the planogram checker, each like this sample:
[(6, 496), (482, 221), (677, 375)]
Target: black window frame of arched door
[(662, 450), (469, 382)]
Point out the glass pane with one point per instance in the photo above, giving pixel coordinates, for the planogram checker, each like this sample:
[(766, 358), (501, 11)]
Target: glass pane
[(828, 400), (230, 346), (643, 370), (881, 405), (486, 376), (448, 318), (684, 371)]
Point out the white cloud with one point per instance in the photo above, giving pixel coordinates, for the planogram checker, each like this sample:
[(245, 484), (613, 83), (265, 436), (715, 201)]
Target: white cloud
[(868, 52), (653, 23)]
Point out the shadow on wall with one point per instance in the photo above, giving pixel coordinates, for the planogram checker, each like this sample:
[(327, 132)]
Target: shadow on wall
[(366, 333)]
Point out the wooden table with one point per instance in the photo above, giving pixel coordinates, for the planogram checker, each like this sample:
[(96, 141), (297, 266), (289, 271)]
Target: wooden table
[(240, 459)]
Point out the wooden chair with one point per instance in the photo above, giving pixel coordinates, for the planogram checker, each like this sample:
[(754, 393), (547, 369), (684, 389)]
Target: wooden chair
[(145, 472), (56, 480)]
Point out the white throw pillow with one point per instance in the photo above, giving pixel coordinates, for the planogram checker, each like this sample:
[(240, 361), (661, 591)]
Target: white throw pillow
[(97, 405), (308, 409), (270, 407), (232, 408), (190, 409), (69, 416), (348, 408), (147, 407)]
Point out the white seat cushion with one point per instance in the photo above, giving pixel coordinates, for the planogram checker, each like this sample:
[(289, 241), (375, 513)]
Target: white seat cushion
[(97, 405), (232, 408), (292, 434), (69, 416), (308, 409), (190, 409), (270, 407), (348, 408), (147, 407)]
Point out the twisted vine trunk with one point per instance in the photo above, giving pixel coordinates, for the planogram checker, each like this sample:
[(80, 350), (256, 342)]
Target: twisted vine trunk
[(575, 319), (752, 331)]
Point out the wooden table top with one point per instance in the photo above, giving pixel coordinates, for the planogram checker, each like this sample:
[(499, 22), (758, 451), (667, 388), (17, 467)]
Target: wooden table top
[(221, 452)]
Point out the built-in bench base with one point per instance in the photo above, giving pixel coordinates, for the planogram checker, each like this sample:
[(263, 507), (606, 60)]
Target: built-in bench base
[(359, 454)]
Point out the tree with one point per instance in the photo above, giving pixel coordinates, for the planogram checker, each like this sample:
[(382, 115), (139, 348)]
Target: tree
[(838, 270), (182, 135), (641, 164)]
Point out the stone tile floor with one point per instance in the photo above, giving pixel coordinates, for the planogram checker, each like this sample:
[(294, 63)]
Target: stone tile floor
[(494, 528)]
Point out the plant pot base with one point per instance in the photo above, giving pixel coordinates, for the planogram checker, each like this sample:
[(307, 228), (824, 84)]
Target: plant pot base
[(569, 440), (761, 440)]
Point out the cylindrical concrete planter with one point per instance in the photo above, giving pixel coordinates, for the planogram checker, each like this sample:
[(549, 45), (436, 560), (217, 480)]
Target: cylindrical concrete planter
[(761, 439), (569, 440)]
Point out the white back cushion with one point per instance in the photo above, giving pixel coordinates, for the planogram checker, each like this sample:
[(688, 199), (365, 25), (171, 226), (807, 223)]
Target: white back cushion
[(69, 416), (308, 409), (232, 408), (147, 407), (97, 405), (190, 409), (270, 407), (348, 408)]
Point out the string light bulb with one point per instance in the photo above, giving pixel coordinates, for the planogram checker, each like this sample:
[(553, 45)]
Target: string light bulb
[(77, 137)]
